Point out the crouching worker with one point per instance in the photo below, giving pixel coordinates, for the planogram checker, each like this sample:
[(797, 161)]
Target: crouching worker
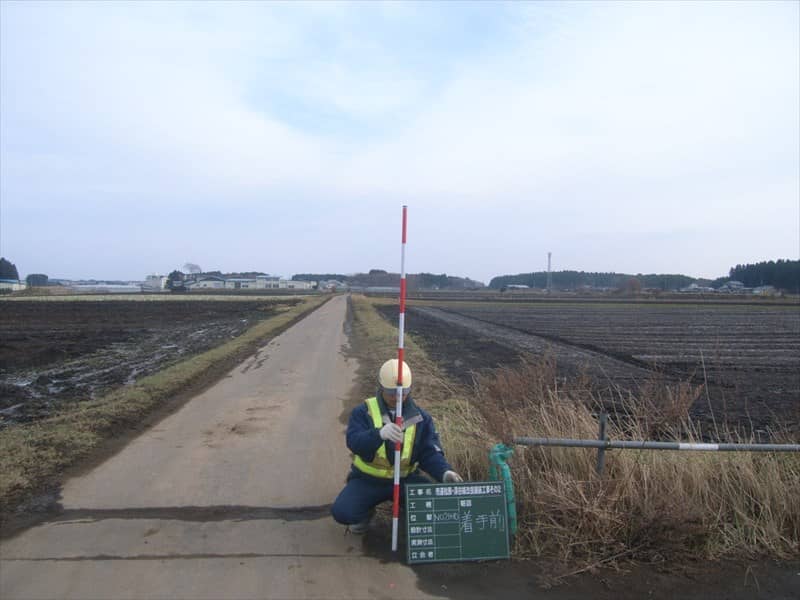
[(371, 436)]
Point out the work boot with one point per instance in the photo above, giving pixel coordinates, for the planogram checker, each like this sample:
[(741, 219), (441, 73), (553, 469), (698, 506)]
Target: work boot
[(362, 526)]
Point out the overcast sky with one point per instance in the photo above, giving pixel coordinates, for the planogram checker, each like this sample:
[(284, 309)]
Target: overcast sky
[(285, 138)]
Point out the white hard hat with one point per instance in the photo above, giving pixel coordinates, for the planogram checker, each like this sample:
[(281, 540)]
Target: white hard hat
[(388, 374)]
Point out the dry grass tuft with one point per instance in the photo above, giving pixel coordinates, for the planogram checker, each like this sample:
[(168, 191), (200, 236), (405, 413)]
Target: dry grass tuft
[(648, 505)]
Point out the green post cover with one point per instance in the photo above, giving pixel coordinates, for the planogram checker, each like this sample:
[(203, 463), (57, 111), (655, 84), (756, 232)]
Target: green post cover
[(448, 522)]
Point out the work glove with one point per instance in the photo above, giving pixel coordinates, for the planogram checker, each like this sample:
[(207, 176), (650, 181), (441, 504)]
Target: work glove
[(452, 477), (391, 432)]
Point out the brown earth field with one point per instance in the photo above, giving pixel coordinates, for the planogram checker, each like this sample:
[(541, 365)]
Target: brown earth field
[(744, 359), (54, 352)]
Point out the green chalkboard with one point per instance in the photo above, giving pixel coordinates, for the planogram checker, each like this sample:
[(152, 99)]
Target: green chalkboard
[(448, 522)]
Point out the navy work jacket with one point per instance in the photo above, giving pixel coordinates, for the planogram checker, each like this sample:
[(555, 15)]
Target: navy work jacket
[(364, 439)]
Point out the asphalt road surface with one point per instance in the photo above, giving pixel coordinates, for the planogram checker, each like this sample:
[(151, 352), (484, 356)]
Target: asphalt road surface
[(228, 497)]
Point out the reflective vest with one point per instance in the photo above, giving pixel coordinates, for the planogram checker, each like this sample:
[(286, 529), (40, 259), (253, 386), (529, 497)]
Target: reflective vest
[(380, 465)]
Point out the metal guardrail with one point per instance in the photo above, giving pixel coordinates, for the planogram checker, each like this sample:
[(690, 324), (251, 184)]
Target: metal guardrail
[(648, 445), (602, 444)]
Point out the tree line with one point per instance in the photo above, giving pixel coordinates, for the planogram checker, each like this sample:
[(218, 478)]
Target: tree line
[(782, 274), (570, 280), (380, 277)]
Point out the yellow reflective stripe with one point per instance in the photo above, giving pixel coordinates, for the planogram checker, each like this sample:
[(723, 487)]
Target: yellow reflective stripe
[(374, 412), (367, 468), (380, 466)]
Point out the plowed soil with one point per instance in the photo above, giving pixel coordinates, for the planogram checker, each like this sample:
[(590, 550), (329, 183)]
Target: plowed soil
[(57, 351), (745, 360)]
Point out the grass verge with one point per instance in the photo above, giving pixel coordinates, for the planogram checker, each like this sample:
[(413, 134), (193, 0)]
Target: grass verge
[(660, 507), (33, 457)]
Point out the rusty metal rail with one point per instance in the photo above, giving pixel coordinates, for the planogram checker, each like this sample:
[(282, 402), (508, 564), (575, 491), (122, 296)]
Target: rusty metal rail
[(602, 444)]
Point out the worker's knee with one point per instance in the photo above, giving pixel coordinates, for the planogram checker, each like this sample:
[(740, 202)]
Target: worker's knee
[(341, 513)]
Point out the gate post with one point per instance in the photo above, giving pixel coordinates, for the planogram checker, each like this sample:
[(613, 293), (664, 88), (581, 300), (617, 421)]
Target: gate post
[(601, 452)]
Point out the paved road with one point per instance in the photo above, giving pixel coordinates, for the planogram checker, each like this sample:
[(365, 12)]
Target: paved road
[(226, 498)]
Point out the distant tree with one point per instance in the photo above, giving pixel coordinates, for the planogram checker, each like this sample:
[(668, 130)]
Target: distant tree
[(319, 277), (631, 286), (175, 281), (427, 281), (192, 268), (8, 270), (782, 274), (36, 280), (570, 280), (377, 272)]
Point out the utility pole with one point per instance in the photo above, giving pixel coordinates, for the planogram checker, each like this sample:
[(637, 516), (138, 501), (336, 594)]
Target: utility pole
[(549, 273)]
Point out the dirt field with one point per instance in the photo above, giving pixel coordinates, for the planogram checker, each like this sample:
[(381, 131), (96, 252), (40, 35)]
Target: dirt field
[(56, 351), (746, 357)]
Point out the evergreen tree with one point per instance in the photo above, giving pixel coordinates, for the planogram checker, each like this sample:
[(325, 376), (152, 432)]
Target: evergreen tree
[(8, 270), (175, 281), (782, 274)]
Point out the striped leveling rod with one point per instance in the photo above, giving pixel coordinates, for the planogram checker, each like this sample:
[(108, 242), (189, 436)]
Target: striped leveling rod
[(399, 410)]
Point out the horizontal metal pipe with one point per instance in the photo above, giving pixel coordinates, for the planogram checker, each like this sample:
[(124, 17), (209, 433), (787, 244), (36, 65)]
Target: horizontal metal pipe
[(648, 445)]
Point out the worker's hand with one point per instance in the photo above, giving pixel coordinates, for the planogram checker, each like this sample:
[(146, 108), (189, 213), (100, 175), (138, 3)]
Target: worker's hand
[(392, 432), (452, 477)]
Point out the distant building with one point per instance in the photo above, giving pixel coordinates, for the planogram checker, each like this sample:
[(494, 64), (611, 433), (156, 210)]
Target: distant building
[(268, 282), (240, 283), (694, 288), (765, 290), (155, 283), (332, 285), (106, 287), (208, 282), (299, 285), (261, 282), (14, 285), (276, 283)]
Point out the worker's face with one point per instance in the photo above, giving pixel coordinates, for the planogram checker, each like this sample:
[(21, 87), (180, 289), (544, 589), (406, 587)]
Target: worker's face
[(390, 394)]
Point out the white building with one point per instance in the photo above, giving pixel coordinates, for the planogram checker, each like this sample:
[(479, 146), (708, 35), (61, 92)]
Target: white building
[(267, 282), (100, 287), (204, 283), (298, 285), (15, 285), (154, 283), (276, 283), (240, 283)]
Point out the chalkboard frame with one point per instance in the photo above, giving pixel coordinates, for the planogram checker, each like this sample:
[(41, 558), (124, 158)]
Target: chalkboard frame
[(498, 500)]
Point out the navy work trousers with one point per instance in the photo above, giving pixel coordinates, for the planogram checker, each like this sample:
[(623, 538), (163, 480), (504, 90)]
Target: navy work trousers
[(362, 493)]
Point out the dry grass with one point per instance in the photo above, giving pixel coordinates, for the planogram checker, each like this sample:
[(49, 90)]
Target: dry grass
[(33, 456), (656, 506), (648, 505)]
